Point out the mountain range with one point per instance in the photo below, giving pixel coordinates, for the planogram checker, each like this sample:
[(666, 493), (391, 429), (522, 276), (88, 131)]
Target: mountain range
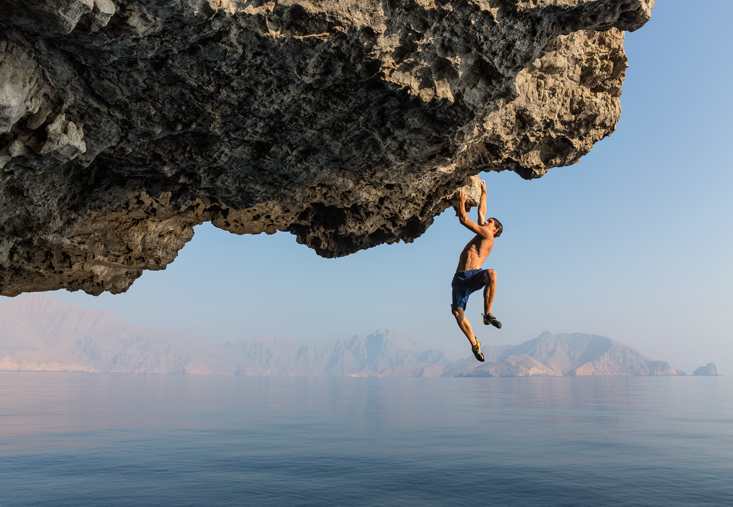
[(39, 333)]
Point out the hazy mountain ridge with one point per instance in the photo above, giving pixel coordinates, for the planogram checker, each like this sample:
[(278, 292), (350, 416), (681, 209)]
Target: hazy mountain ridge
[(39, 333), (573, 355)]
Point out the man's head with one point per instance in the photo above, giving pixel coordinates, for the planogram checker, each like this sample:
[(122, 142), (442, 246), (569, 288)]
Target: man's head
[(496, 225)]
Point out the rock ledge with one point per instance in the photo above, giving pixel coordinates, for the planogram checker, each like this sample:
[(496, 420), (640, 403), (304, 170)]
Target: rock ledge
[(125, 123)]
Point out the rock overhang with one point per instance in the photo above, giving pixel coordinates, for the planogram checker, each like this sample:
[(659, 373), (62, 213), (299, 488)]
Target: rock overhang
[(123, 124)]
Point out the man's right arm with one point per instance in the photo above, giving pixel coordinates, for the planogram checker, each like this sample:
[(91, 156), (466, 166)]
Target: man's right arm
[(482, 204), (463, 217)]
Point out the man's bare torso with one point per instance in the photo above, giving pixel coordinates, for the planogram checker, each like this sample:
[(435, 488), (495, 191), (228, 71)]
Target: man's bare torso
[(475, 253)]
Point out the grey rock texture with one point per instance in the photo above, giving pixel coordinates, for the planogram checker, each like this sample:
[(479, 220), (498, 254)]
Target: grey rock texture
[(709, 370), (125, 123)]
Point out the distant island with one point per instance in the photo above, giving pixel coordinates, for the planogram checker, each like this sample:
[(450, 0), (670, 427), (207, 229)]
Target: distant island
[(39, 333), (709, 370)]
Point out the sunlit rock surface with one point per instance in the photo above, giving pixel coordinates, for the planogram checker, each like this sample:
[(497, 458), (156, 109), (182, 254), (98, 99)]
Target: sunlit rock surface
[(123, 124)]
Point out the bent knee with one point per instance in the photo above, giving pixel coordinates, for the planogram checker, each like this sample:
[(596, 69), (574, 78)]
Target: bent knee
[(490, 275), (457, 313)]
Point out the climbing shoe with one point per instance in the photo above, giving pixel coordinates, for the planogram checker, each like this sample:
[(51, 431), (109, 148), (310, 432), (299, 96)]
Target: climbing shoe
[(476, 349), (490, 319)]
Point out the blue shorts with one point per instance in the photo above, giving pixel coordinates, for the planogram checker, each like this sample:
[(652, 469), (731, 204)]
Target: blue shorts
[(464, 284)]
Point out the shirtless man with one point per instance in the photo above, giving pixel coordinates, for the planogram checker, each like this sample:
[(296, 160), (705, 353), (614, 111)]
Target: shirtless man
[(469, 276)]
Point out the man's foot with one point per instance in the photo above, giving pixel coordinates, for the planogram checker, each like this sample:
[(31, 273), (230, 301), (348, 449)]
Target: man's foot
[(476, 349), (490, 319)]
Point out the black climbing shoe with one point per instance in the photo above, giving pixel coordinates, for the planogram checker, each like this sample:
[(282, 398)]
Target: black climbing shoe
[(476, 349), (490, 319)]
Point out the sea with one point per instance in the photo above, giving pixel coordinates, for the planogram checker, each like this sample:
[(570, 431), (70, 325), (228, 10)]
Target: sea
[(70, 439)]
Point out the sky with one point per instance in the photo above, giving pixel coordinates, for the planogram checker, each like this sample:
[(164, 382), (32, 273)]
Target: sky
[(633, 242)]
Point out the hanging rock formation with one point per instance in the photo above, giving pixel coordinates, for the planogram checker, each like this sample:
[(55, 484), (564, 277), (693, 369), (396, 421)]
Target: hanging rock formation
[(350, 123)]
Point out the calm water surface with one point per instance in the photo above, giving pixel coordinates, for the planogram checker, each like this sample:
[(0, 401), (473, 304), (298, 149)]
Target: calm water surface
[(113, 440)]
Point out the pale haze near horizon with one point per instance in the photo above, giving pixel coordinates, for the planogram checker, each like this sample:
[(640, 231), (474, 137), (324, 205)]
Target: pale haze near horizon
[(633, 242)]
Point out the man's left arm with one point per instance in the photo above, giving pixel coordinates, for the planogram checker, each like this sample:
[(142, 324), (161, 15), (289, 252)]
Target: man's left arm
[(482, 204)]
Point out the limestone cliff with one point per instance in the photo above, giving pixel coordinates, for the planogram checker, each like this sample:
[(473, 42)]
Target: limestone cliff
[(125, 123)]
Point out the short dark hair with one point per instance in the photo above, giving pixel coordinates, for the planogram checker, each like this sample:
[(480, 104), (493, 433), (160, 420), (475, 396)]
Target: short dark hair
[(499, 227)]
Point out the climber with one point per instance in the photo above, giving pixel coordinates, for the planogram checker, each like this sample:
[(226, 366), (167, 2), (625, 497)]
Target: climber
[(469, 276)]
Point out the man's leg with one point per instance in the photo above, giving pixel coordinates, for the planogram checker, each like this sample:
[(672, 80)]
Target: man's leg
[(489, 290), (464, 324), (489, 293)]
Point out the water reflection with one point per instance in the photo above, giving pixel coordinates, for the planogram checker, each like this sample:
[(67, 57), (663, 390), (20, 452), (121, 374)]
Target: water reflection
[(38, 409)]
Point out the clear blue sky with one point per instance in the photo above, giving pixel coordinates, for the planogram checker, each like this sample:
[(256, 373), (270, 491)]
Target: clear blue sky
[(634, 242)]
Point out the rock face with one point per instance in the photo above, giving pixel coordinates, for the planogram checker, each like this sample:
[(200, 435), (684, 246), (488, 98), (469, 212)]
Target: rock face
[(125, 123), (709, 370)]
